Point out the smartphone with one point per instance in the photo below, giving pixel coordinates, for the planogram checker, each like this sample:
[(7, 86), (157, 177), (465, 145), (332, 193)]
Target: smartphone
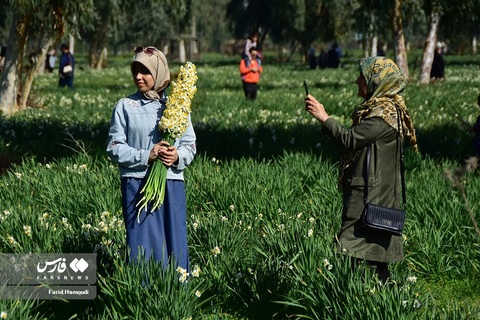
[(306, 87)]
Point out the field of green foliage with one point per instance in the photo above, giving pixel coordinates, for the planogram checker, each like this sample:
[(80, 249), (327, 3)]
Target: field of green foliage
[(263, 208)]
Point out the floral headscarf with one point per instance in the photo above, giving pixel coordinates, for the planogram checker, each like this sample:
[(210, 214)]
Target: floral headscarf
[(385, 84)]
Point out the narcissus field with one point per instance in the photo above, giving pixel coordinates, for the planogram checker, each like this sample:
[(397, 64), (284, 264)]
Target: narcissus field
[(263, 207)]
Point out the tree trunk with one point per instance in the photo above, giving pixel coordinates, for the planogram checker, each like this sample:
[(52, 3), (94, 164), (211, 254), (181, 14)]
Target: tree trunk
[(166, 49), (13, 63), (293, 50), (474, 44), (365, 45), (181, 51), (71, 44), (37, 60), (97, 46), (304, 48), (429, 50), (193, 39), (102, 59), (374, 46), (400, 50)]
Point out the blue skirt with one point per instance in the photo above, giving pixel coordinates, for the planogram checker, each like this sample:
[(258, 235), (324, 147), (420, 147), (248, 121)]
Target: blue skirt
[(161, 233)]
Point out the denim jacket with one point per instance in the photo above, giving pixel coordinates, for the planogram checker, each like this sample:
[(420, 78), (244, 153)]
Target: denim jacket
[(134, 131)]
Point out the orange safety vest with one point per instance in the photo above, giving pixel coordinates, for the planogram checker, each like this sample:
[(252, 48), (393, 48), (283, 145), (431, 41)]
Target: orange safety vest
[(247, 74)]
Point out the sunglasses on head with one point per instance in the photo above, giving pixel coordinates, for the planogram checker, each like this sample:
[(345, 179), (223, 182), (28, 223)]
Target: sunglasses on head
[(148, 50)]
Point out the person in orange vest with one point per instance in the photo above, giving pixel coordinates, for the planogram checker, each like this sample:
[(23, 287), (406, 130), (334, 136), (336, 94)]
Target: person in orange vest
[(251, 75), (476, 139)]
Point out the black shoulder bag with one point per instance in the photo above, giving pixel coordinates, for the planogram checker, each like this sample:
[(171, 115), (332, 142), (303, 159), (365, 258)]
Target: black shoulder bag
[(379, 218)]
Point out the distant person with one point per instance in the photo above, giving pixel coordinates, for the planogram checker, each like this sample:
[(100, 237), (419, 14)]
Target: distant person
[(333, 56), (66, 68), (250, 42), (322, 59), (250, 75), (380, 51), (438, 65), (338, 49), (476, 131), (51, 60), (312, 59)]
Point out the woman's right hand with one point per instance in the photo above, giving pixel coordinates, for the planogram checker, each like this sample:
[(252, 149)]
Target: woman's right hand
[(155, 152), (316, 109), (165, 152)]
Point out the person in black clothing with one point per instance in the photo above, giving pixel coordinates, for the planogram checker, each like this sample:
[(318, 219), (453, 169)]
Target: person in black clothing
[(322, 59), (438, 65), (333, 57), (476, 131), (66, 67), (312, 59)]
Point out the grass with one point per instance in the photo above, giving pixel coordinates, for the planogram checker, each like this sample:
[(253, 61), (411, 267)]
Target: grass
[(262, 200)]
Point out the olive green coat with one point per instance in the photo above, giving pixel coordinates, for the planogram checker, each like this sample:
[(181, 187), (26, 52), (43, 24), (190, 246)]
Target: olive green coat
[(384, 186)]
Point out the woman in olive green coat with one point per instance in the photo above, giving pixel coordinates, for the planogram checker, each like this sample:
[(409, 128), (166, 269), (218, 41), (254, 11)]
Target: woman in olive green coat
[(375, 124)]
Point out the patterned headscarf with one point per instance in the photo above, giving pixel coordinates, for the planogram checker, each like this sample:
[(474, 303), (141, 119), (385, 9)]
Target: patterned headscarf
[(385, 84), (156, 62)]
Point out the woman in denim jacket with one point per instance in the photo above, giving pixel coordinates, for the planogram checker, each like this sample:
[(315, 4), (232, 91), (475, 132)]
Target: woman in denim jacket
[(134, 143)]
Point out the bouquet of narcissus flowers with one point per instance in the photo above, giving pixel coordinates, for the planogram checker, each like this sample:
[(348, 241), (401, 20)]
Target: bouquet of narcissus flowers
[(173, 124)]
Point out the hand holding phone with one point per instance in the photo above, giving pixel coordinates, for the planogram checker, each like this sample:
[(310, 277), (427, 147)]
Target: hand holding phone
[(306, 87)]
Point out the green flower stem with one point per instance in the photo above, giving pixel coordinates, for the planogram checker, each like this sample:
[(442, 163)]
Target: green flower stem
[(154, 189)]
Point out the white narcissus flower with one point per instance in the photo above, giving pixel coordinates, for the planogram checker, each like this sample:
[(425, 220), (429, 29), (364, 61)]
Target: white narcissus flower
[(310, 232), (183, 274), (196, 271), (27, 230), (11, 240), (327, 264), (174, 120), (216, 251)]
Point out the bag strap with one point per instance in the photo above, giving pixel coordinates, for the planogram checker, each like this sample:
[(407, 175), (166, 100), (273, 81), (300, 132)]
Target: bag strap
[(402, 165), (402, 168)]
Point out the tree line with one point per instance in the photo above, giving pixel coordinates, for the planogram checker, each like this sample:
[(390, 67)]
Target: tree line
[(186, 27)]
